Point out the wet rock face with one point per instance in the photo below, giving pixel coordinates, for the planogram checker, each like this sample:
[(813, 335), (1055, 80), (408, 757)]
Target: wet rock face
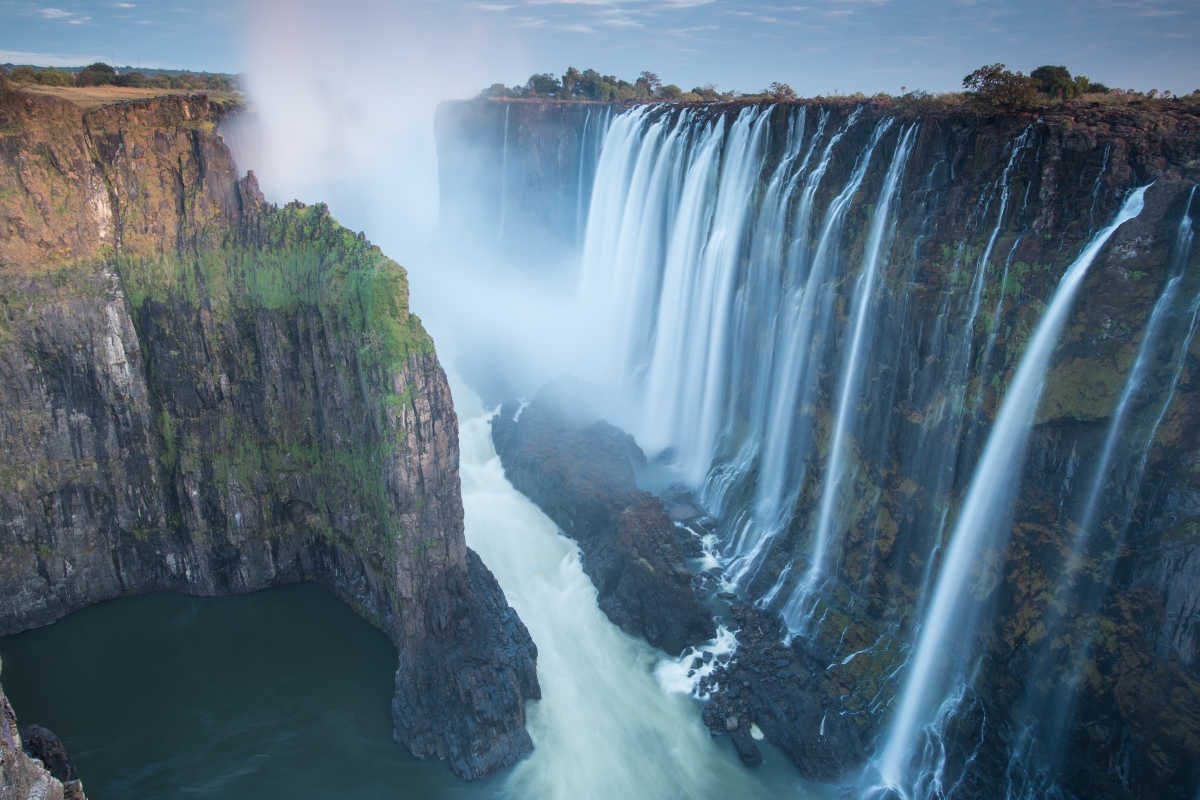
[(203, 393), (788, 693), (579, 472), (33, 762), (42, 744), (938, 372)]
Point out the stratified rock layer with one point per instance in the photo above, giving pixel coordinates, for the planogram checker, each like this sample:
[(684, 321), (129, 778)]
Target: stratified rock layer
[(205, 393), (580, 472)]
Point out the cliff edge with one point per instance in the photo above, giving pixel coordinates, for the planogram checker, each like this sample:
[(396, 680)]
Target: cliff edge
[(202, 392)]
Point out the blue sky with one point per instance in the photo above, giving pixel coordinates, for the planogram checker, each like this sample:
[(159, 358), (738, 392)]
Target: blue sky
[(818, 46)]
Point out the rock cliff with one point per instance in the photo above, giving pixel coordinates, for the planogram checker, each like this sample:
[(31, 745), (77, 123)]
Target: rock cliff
[(579, 470), (202, 392), (935, 366)]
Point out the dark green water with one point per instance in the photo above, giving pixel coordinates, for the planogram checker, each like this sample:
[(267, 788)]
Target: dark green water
[(282, 693)]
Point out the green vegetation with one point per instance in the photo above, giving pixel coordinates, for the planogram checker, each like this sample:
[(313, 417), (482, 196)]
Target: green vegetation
[(101, 74), (1056, 82), (989, 89), (995, 88), (591, 85)]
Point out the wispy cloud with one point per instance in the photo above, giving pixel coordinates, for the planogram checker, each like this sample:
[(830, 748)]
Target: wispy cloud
[(46, 59), (54, 13), (491, 7)]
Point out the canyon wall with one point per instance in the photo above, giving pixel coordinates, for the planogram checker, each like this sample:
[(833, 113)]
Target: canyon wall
[(988, 214), (202, 392)]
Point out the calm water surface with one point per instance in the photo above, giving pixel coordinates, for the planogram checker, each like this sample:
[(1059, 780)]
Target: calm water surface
[(281, 693)]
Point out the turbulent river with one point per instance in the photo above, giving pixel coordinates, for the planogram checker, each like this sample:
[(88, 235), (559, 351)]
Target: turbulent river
[(286, 692)]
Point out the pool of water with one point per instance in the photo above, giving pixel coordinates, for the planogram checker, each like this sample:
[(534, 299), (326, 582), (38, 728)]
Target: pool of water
[(287, 692), (280, 693)]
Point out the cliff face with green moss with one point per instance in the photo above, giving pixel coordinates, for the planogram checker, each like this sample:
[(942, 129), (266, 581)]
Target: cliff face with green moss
[(205, 393)]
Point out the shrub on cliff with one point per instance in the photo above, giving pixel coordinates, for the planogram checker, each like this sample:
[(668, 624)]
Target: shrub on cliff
[(995, 88), (1057, 82), (780, 91)]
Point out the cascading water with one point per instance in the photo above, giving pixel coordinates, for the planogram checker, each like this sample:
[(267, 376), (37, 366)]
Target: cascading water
[(664, 242), (881, 227), (934, 687), (1051, 690), (825, 394), (504, 176)]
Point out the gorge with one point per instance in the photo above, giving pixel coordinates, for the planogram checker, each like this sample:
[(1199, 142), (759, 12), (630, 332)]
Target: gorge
[(929, 385), (873, 450)]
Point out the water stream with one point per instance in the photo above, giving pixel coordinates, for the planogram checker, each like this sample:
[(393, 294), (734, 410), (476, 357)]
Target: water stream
[(937, 681), (606, 726)]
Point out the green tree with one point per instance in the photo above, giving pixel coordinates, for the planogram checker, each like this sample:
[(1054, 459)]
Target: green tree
[(22, 74), (1055, 81), (542, 85), (54, 77), (570, 80), (995, 88), (781, 91), (98, 74), (648, 85)]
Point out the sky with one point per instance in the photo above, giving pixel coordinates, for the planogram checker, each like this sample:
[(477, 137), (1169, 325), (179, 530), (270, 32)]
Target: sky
[(818, 47)]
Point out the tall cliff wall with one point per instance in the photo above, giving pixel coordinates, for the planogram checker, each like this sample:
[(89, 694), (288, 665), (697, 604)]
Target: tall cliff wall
[(934, 368), (205, 393), (515, 178)]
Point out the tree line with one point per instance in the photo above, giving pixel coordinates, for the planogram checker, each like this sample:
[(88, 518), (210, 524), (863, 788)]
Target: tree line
[(996, 88), (990, 88), (101, 74), (591, 85)]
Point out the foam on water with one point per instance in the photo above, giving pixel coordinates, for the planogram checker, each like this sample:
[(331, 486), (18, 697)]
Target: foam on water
[(606, 727)]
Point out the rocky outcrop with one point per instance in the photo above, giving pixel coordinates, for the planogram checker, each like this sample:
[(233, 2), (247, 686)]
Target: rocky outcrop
[(579, 470), (205, 393), (34, 765), (41, 744)]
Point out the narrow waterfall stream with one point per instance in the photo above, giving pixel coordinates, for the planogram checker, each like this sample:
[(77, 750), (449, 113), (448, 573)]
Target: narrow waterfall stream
[(605, 727), (934, 689)]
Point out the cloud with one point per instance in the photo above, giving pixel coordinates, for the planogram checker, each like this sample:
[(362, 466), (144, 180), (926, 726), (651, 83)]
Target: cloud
[(54, 13), (46, 59), (126, 5), (490, 7)]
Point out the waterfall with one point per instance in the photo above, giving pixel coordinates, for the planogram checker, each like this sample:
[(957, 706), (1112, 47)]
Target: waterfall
[(664, 244), (579, 217), (848, 393), (756, 314), (1029, 769), (504, 175), (808, 295), (982, 525)]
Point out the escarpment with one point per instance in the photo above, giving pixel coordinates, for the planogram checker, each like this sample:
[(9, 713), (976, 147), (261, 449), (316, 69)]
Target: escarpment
[(1080, 675), (205, 393)]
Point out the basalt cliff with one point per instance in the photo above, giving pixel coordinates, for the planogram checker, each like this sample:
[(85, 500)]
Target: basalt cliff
[(839, 455), (203, 392)]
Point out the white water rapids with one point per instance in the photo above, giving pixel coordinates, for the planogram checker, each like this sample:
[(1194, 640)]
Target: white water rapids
[(605, 727)]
